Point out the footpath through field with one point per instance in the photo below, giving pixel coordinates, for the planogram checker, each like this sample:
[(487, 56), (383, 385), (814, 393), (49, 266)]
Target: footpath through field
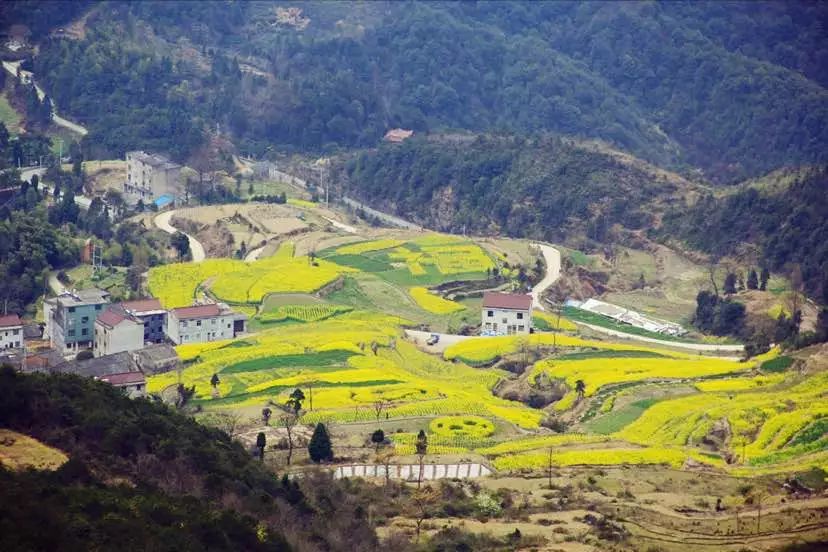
[(162, 221), (553, 271)]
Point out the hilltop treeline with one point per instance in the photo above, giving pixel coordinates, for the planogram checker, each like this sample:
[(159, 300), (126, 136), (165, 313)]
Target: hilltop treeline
[(789, 225), (542, 187), (184, 486), (736, 89)]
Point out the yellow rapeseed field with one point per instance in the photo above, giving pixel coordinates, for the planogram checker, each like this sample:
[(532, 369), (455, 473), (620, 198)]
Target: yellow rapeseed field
[(433, 303)]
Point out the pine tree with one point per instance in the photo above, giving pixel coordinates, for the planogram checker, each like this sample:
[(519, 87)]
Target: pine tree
[(763, 279), (319, 447), (730, 284), (753, 280)]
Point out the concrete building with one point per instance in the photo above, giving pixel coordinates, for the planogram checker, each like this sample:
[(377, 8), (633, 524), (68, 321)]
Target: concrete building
[(70, 318), (11, 332), (117, 331), (202, 323), (156, 359), (506, 314), (151, 314), (119, 370), (152, 178)]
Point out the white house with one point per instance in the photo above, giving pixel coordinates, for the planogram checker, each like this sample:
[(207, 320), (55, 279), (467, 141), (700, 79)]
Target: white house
[(116, 331), (11, 332), (151, 178), (202, 323), (506, 313)]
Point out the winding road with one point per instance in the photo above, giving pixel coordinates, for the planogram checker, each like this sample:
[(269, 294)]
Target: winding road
[(162, 221), (553, 271), (12, 66), (700, 347)]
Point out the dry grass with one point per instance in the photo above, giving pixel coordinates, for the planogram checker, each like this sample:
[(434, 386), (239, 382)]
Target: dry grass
[(18, 452)]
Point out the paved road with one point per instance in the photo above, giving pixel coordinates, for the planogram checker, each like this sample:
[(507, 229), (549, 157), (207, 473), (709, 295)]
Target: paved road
[(55, 285), (385, 217), (11, 67), (553, 272), (27, 173), (253, 254), (162, 221), (445, 340), (703, 347)]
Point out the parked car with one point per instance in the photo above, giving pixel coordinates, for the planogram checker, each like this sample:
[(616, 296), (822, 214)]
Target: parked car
[(433, 339)]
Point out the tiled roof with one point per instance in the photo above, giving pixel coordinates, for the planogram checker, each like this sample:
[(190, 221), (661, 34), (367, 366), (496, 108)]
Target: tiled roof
[(143, 305), (197, 311), (112, 318), (9, 320), (495, 300)]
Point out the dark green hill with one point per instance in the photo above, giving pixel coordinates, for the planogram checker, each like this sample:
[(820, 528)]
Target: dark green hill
[(736, 89), (141, 477)]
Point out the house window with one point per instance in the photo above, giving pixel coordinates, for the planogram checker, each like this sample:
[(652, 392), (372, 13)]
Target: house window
[(71, 333), (71, 309), (504, 320), (490, 314), (85, 320), (520, 328), (520, 316), (198, 323), (15, 332), (98, 307), (183, 323), (84, 331)]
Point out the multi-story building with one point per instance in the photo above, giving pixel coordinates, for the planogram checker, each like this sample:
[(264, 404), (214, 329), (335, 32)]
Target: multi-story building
[(70, 318), (201, 323), (152, 178), (151, 314), (11, 332), (117, 331), (506, 313)]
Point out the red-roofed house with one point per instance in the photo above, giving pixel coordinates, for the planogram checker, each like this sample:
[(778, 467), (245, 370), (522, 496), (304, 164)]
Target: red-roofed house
[(202, 323), (152, 314), (11, 332), (117, 331), (506, 313)]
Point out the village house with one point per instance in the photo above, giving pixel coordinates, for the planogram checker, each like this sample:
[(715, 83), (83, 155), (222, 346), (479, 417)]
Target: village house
[(152, 178), (118, 370), (506, 313), (11, 332), (202, 323), (151, 314), (70, 318), (116, 331), (156, 359)]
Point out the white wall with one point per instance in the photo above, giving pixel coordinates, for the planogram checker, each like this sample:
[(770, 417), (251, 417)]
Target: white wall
[(126, 336), (506, 321), (11, 337), (199, 330)]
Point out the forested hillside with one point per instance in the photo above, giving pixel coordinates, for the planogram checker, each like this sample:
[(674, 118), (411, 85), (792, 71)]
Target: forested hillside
[(542, 187), (788, 223), (141, 477), (735, 89)]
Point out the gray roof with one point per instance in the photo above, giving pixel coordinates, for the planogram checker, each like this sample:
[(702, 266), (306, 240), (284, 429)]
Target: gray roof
[(153, 160), (77, 298), (157, 358), (106, 365)]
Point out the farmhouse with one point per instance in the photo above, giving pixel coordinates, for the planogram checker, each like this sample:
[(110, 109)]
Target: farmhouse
[(202, 323), (119, 370), (151, 314), (117, 331), (70, 318), (506, 313), (11, 332), (156, 359), (151, 178)]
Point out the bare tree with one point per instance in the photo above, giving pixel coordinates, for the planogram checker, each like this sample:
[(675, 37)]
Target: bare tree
[(228, 421), (288, 420), (423, 502), (421, 447), (379, 406), (384, 457)]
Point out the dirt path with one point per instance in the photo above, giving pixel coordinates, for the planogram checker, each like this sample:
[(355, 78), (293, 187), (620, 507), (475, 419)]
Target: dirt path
[(385, 217), (445, 340), (342, 226), (253, 254), (162, 221), (702, 347), (54, 284), (553, 272)]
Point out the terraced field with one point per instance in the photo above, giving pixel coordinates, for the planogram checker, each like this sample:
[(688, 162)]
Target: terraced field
[(618, 403)]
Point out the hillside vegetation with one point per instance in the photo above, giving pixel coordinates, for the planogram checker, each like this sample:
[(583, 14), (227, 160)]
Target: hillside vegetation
[(681, 84)]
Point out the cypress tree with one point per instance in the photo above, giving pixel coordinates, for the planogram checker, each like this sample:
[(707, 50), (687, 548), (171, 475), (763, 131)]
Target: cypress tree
[(319, 447)]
